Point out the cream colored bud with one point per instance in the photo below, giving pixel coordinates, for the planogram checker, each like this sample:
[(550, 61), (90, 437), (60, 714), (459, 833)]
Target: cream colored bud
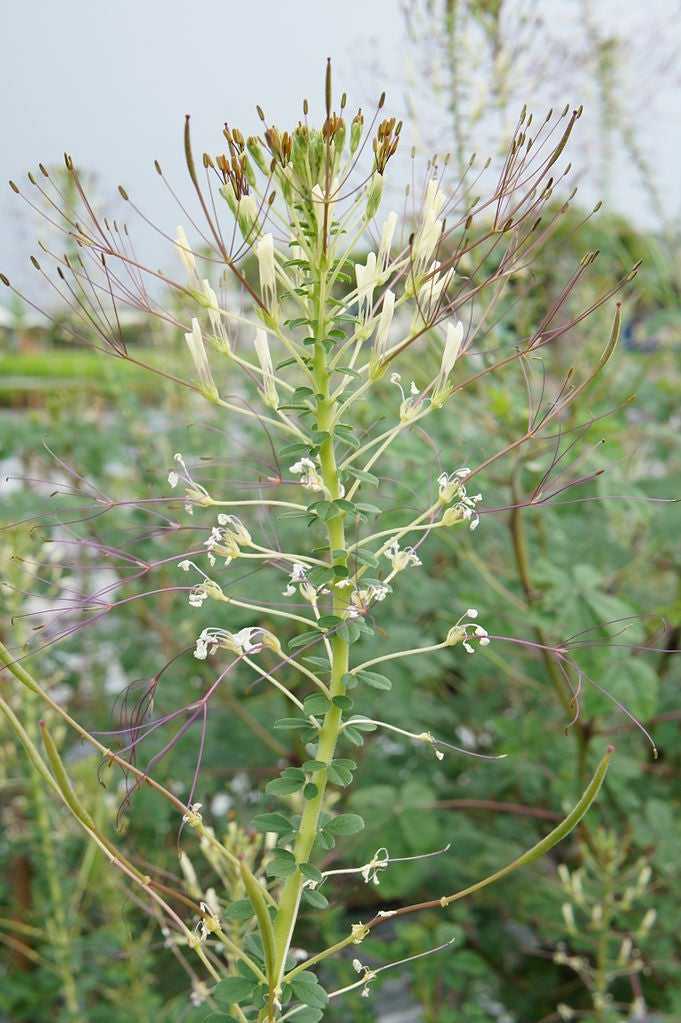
[(647, 922), (198, 353), (185, 253), (569, 917), (374, 195), (264, 250), (455, 635), (382, 331), (269, 388), (189, 875), (386, 241)]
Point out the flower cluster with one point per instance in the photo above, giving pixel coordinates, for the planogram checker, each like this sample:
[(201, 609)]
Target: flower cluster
[(452, 488), (466, 631), (247, 641), (227, 538)]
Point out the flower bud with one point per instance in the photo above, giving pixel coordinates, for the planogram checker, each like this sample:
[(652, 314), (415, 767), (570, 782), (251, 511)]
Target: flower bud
[(356, 129), (569, 917), (264, 250), (451, 516), (270, 641), (381, 337), (455, 635), (198, 352), (374, 195), (209, 301), (236, 526), (450, 354), (367, 279), (386, 241), (269, 389), (257, 153), (625, 952), (644, 879), (190, 876), (185, 253), (647, 922)]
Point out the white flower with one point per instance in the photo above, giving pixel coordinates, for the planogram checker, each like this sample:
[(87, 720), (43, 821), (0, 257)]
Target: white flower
[(452, 347), (450, 354), (189, 874), (247, 641), (386, 241), (367, 279), (382, 330), (202, 591), (264, 250), (430, 294), (409, 406), (215, 316), (401, 559), (235, 526), (360, 600), (193, 815), (185, 253), (465, 631), (379, 861), (428, 234), (198, 352), (482, 635), (227, 538), (451, 485), (194, 492), (298, 575), (262, 350), (569, 917), (309, 475)]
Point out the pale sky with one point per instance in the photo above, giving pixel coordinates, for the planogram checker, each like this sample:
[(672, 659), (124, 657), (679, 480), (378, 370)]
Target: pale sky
[(110, 83)]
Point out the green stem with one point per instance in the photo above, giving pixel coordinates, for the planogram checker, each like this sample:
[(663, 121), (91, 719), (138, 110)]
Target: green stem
[(289, 903)]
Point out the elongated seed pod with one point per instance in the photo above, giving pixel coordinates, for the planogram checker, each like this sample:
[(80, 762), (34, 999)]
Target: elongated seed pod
[(257, 899), (547, 843), (62, 779)]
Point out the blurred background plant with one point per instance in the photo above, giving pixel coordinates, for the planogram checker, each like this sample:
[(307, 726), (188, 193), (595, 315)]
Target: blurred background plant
[(591, 933)]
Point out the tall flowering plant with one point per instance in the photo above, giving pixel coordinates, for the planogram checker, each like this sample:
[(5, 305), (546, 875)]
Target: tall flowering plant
[(319, 334)]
